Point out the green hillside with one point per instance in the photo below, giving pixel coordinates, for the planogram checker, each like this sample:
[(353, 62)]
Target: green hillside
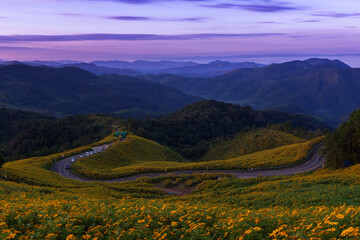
[(250, 142), (134, 151)]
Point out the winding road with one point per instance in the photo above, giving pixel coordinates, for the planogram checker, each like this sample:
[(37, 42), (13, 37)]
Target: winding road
[(314, 161)]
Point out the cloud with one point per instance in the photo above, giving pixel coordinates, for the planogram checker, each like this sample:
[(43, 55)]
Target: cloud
[(269, 22), (255, 7), (194, 19), (126, 37), (310, 21), (129, 18), (148, 1), (73, 14), (137, 18), (336, 14), (140, 18), (15, 48)]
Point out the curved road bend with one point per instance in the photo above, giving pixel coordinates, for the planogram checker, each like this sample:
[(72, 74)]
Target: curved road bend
[(315, 162)]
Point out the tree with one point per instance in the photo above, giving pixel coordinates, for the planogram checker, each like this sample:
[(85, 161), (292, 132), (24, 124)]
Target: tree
[(2, 160)]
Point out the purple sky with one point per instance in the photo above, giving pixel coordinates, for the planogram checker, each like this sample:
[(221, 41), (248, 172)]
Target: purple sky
[(148, 29)]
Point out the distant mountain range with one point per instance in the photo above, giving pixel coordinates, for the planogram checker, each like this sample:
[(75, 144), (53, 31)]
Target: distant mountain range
[(329, 89), (211, 69), (186, 69), (98, 70), (144, 66), (51, 63), (71, 91)]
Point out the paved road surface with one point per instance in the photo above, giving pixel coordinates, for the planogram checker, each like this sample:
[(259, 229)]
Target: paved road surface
[(314, 162)]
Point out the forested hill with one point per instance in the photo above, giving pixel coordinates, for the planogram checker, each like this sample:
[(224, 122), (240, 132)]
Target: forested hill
[(71, 91), (343, 145), (191, 130), (26, 134), (12, 122)]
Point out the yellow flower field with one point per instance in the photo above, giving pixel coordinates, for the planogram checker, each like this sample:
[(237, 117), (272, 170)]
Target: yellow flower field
[(320, 205)]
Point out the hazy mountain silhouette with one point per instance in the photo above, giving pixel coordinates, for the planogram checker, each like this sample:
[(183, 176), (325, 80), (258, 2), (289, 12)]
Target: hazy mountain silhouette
[(210, 69), (143, 66), (72, 90), (323, 87), (98, 70)]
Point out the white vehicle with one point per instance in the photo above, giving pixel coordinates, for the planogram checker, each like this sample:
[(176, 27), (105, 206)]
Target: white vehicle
[(73, 159), (82, 155), (91, 153), (95, 151), (87, 154)]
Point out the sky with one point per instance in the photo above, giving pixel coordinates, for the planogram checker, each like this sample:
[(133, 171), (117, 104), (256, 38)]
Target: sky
[(90, 30)]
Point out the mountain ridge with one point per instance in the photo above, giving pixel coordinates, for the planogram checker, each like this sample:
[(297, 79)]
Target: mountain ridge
[(71, 90), (321, 87)]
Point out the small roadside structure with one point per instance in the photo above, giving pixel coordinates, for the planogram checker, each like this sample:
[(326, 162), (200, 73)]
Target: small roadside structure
[(122, 134)]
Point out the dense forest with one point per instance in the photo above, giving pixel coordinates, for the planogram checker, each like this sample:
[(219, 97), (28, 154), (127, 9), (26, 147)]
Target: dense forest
[(343, 145), (26, 134), (193, 130)]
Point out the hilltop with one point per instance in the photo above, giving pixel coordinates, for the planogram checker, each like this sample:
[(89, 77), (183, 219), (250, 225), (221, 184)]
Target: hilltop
[(192, 130)]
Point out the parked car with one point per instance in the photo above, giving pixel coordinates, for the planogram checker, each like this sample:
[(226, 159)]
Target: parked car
[(73, 159), (87, 154), (91, 153), (95, 151), (81, 155)]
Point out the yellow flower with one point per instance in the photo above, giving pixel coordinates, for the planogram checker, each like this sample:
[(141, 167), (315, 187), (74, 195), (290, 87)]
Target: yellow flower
[(141, 221), (351, 231), (50, 235), (331, 230), (71, 237), (248, 231), (11, 236), (86, 237), (174, 224)]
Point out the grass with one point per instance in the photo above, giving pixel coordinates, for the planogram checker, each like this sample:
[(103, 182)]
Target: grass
[(138, 155), (250, 142), (135, 151), (276, 157)]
